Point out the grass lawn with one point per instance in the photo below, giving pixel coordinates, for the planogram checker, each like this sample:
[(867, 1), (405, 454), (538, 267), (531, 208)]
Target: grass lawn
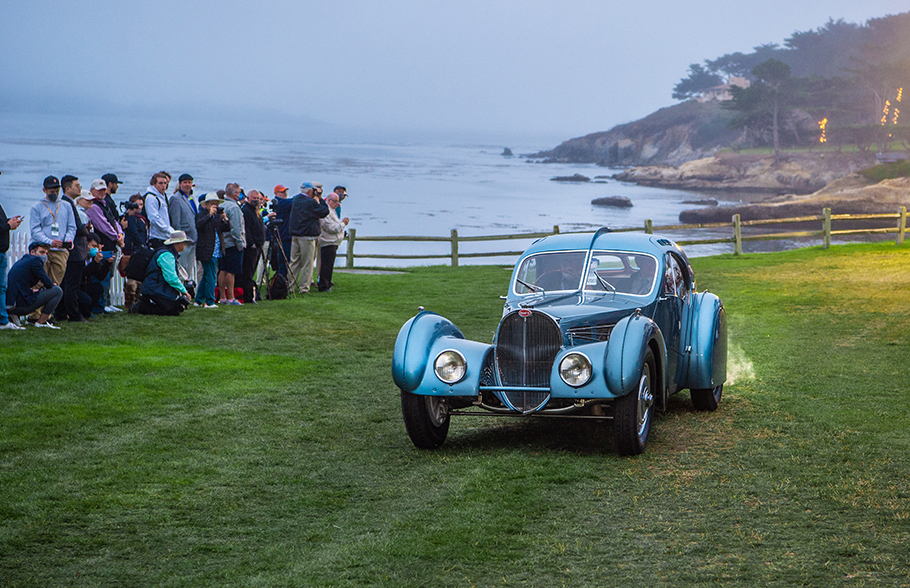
[(263, 446)]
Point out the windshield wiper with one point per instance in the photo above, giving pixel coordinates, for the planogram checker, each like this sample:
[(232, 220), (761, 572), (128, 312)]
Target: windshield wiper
[(604, 283), (530, 287)]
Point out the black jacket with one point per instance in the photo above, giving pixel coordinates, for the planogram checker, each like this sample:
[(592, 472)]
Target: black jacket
[(4, 232), (206, 226), (25, 273), (305, 215), (255, 228), (137, 232), (80, 243)]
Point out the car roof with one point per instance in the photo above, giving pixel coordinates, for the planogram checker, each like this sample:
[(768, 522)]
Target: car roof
[(633, 242)]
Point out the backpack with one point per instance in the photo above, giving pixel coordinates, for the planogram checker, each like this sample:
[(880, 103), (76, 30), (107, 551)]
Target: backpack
[(278, 288), (139, 263)]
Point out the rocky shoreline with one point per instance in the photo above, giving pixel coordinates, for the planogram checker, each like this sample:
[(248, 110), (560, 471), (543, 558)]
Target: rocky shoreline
[(852, 194), (803, 185), (801, 173)]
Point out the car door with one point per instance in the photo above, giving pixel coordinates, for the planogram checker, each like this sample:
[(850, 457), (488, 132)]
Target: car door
[(671, 310)]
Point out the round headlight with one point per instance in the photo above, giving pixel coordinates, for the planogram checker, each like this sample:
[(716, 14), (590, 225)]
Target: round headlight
[(450, 366), (575, 369)]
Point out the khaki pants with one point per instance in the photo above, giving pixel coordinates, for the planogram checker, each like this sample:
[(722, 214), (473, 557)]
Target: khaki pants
[(56, 265), (303, 256), (187, 261)]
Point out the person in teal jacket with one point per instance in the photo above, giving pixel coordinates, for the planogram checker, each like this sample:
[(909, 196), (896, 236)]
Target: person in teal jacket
[(163, 291)]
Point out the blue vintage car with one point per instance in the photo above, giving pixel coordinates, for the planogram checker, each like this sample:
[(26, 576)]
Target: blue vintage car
[(603, 326)]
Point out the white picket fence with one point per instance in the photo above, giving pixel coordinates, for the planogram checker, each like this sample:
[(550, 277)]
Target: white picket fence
[(18, 246)]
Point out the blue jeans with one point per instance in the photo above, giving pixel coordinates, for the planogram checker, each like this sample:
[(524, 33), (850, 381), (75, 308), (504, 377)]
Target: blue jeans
[(4, 318), (205, 291)]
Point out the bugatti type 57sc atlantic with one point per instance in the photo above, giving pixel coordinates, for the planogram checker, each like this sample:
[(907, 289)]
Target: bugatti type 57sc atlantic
[(604, 326)]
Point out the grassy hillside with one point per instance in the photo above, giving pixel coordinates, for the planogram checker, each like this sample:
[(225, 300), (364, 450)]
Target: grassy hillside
[(263, 446)]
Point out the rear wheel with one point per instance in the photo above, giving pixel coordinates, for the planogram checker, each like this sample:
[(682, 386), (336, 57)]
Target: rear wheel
[(633, 413), (426, 419), (706, 398)]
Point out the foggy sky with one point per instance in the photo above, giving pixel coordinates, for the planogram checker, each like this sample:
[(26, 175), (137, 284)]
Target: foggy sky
[(568, 67)]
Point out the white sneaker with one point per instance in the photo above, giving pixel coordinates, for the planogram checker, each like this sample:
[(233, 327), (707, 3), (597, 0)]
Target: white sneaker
[(112, 308), (14, 319), (210, 306), (11, 327), (47, 326)]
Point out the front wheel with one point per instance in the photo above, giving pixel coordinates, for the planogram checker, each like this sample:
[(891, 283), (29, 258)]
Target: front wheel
[(633, 413), (426, 419), (706, 399)]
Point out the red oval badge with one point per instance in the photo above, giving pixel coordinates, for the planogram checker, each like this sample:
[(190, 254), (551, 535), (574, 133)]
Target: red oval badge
[(524, 313)]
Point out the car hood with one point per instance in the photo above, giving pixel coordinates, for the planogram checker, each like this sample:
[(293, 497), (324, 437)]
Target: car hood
[(588, 308)]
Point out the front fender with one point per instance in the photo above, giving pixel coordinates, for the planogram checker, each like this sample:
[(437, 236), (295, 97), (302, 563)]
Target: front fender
[(629, 343), (707, 343), (413, 345)]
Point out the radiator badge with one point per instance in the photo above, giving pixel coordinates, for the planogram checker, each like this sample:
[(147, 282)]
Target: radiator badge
[(524, 313)]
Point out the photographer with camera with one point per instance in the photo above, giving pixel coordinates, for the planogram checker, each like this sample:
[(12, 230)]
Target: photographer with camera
[(280, 248), (211, 220), (255, 240), (135, 237), (233, 243), (163, 292)]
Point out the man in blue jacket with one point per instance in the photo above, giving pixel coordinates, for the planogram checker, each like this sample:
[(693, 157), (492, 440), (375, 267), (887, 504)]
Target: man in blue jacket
[(306, 210), (25, 273)]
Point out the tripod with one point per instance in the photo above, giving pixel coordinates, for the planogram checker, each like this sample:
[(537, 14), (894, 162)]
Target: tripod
[(275, 238)]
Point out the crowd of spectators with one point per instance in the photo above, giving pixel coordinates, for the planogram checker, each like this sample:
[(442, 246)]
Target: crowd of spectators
[(161, 245)]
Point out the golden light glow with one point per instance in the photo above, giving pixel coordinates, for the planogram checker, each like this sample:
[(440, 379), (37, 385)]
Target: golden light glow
[(885, 111), (821, 125), (897, 111)]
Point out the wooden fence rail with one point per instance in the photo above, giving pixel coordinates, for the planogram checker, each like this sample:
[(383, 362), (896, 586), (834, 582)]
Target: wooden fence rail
[(736, 238), (19, 239)]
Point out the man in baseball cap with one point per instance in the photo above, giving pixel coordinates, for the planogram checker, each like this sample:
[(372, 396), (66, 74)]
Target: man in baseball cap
[(280, 252)]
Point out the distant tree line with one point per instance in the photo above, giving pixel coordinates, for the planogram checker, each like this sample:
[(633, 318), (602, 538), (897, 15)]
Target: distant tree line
[(849, 76)]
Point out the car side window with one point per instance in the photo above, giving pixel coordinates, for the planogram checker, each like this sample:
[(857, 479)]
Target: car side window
[(675, 281)]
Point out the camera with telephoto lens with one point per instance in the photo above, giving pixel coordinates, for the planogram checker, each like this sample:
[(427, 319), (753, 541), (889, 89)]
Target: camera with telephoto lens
[(190, 286), (220, 210), (128, 206)]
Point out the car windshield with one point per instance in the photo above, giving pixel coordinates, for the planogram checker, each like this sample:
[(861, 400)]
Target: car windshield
[(608, 271)]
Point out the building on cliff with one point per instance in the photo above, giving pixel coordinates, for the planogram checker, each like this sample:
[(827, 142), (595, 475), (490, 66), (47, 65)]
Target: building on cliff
[(722, 92)]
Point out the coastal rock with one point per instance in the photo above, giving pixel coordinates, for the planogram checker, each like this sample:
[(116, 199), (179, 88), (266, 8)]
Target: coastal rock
[(671, 136), (799, 173), (702, 202), (506, 152), (615, 201), (852, 194), (572, 178)]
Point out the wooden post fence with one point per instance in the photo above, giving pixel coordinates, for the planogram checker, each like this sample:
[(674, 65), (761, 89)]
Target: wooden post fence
[(902, 226), (454, 247), (352, 236), (737, 236)]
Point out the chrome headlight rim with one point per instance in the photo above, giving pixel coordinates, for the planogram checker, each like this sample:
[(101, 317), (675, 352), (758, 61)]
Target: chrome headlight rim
[(586, 363), (460, 361)]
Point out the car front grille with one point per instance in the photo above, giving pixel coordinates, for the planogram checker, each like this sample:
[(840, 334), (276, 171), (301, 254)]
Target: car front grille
[(525, 349)]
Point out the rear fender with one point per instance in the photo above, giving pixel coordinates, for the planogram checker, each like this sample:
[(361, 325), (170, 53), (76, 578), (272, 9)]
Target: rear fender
[(413, 346), (629, 343), (707, 344)]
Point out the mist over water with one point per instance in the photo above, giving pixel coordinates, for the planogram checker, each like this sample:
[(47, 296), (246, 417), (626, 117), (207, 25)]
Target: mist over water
[(398, 185)]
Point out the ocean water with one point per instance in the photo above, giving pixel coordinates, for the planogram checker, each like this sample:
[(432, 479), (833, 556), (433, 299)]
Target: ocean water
[(414, 186)]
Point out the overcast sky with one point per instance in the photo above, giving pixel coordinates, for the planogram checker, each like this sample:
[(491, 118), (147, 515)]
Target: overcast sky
[(566, 67)]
